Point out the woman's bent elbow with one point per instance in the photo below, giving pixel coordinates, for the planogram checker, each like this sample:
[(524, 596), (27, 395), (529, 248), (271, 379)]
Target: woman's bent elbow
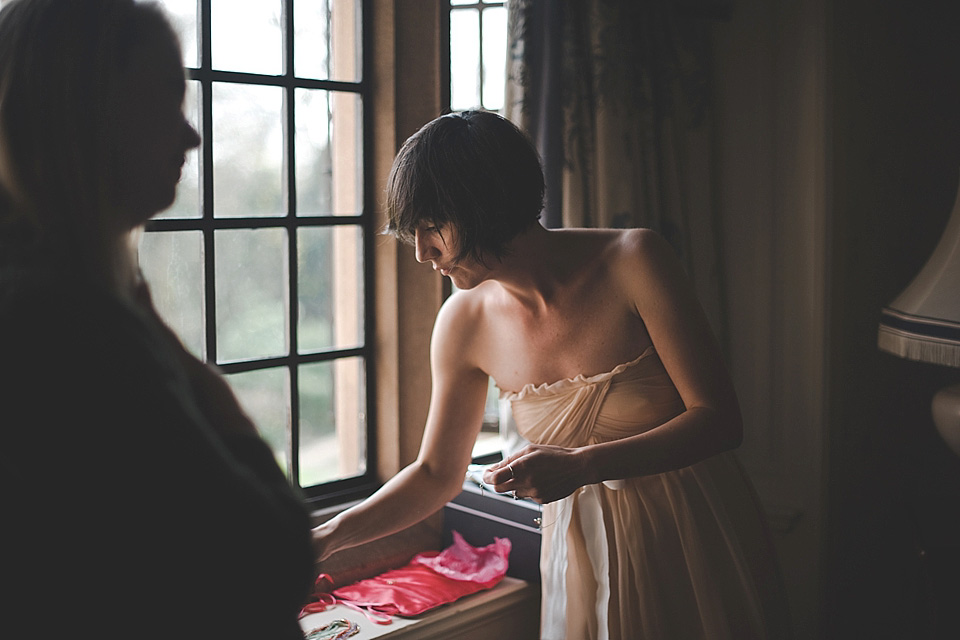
[(446, 480)]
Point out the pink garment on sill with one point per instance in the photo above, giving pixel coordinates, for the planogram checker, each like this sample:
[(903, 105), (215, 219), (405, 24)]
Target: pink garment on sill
[(430, 579)]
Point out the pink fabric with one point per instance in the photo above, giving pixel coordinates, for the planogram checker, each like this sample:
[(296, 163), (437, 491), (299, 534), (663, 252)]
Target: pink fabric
[(429, 580), (462, 561)]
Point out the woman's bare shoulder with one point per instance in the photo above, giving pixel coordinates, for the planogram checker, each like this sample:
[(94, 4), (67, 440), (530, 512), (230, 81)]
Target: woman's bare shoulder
[(646, 265), (462, 316), (464, 304), (616, 243), (644, 249), (641, 240)]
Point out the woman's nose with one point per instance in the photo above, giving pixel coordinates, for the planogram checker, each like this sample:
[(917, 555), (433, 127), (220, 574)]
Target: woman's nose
[(425, 250), (191, 139)]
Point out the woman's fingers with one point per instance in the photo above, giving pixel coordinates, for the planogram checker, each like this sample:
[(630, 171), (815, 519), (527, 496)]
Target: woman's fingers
[(502, 475)]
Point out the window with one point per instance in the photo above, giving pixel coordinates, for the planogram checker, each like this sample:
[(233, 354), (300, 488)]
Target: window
[(261, 264), (478, 49), (478, 54)]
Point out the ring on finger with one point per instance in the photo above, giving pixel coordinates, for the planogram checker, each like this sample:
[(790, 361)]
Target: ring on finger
[(512, 476)]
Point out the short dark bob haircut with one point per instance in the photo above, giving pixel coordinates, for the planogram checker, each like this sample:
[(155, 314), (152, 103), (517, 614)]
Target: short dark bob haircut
[(473, 170)]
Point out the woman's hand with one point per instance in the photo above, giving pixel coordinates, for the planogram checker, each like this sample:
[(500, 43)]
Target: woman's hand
[(543, 473), (320, 536)]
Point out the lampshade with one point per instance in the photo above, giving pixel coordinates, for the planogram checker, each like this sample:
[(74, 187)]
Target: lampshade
[(923, 322)]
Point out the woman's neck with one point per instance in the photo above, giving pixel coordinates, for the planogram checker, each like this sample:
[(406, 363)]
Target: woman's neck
[(530, 270), (124, 277), (113, 264)]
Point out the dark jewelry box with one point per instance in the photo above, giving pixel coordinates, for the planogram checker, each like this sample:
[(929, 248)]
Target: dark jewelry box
[(480, 515)]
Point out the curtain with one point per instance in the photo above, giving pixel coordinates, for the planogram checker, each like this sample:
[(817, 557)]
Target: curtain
[(616, 95)]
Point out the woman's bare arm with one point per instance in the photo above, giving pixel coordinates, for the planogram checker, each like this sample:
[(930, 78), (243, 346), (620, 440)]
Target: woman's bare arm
[(453, 421)]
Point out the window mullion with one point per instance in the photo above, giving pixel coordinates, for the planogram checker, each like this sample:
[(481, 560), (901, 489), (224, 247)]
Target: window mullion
[(204, 34), (206, 172), (289, 134), (480, 72)]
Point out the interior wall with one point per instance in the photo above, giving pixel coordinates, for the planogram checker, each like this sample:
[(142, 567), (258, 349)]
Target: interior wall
[(892, 501), (838, 147), (772, 177)]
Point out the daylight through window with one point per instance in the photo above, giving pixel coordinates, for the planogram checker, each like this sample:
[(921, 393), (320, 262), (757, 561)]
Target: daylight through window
[(261, 263), (478, 54)]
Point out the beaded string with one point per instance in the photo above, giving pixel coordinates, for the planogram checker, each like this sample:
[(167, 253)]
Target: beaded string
[(335, 630)]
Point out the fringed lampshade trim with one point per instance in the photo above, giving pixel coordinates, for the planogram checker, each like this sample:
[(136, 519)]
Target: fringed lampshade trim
[(916, 338)]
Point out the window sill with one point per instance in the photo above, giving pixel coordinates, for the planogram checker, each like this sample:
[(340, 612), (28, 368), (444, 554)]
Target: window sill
[(509, 610)]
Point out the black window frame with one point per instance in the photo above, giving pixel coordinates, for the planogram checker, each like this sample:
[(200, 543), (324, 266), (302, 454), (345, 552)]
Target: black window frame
[(337, 491)]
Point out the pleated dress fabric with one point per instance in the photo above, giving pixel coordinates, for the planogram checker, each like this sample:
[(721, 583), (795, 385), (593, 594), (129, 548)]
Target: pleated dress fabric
[(682, 554)]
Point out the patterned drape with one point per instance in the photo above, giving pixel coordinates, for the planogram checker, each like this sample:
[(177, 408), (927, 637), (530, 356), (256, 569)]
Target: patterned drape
[(616, 94)]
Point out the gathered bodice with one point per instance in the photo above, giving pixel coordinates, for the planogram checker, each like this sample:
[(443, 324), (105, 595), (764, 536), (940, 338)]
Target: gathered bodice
[(677, 554), (632, 398)]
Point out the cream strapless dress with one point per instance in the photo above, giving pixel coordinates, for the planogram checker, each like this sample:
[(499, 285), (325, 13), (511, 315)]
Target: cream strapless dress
[(679, 555)]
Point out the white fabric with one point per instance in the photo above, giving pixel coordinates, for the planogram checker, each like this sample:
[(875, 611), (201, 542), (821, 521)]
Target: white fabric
[(595, 535), (553, 576), (511, 441)]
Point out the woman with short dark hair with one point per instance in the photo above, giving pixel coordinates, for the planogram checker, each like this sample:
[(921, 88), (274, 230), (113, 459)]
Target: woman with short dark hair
[(650, 529), (471, 170)]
